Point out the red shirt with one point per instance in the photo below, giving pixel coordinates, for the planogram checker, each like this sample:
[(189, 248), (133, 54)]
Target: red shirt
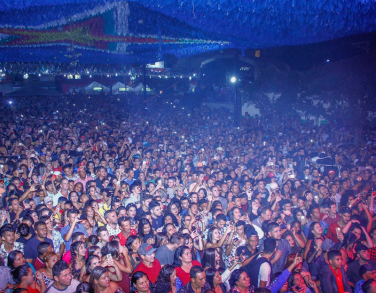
[(38, 264), (123, 240), (339, 280), (329, 220), (332, 232), (152, 272), (184, 276)]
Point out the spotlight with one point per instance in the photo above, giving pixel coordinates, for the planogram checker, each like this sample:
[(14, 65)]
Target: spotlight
[(90, 75), (190, 77), (328, 60), (233, 79), (10, 102)]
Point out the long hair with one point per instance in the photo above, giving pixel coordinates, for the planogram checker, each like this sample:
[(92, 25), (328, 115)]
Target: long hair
[(141, 225), (135, 277), (11, 258), (210, 234), (208, 260), (88, 263), (129, 242), (186, 238), (165, 274), (74, 250), (95, 275), (310, 230), (178, 253), (112, 248), (19, 272), (210, 273), (290, 281)]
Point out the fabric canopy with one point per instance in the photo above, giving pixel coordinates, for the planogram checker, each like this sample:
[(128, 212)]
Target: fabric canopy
[(83, 31), (32, 90)]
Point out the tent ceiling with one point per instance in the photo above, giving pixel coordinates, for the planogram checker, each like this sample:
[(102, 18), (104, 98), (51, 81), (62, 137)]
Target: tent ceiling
[(80, 31)]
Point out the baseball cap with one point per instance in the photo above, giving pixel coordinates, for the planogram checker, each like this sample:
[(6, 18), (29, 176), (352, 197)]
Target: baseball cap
[(48, 199), (366, 268), (252, 232), (331, 172), (327, 244), (274, 185), (146, 249), (271, 175)]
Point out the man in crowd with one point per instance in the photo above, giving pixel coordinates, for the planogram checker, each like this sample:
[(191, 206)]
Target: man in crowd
[(165, 253), (198, 281), (31, 246), (149, 264)]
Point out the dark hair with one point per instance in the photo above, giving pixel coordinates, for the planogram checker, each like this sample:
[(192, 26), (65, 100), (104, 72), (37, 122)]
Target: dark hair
[(235, 275), (88, 262), (129, 242), (159, 237), (135, 277), (178, 253), (23, 229), (37, 224), (91, 250), (310, 229), (58, 267), (210, 273), (262, 290), (141, 225), (230, 213), (101, 229), (195, 270), (20, 272), (173, 218), (11, 257), (96, 273), (210, 234), (42, 247), (123, 219), (208, 260), (333, 253), (165, 273), (83, 287), (93, 240), (368, 286), (6, 228), (290, 281), (111, 247), (271, 226), (74, 248), (186, 238), (269, 245)]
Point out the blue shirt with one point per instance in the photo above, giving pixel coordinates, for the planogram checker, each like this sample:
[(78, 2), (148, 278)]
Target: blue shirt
[(323, 224), (358, 286), (79, 228)]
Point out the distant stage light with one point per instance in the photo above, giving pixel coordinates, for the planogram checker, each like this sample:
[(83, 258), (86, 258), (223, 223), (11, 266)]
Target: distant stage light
[(233, 79)]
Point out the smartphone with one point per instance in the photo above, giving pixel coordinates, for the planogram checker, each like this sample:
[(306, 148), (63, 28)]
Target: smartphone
[(109, 256), (297, 288)]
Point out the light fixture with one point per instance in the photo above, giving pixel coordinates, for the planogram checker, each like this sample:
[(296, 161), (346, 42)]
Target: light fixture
[(190, 77), (10, 102), (233, 79), (327, 60)]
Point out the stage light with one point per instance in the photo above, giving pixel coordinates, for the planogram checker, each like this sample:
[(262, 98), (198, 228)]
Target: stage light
[(233, 79), (90, 75), (190, 77), (327, 60), (10, 102)]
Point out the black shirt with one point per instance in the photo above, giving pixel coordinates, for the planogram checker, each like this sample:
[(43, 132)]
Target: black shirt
[(243, 250)]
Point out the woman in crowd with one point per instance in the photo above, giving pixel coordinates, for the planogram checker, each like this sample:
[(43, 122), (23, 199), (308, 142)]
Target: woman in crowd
[(183, 263), (240, 282), (140, 283), (49, 259), (166, 281), (78, 251), (133, 243), (100, 281), (24, 278), (215, 280)]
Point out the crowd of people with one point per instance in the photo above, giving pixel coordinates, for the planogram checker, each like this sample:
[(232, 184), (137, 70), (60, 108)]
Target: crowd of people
[(103, 195)]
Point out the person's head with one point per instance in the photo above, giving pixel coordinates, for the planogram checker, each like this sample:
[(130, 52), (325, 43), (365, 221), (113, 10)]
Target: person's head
[(167, 274), (362, 252), (99, 279), (40, 229), (15, 259), (44, 247), (367, 272), (295, 279), (62, 274), (147, 253), (209, 257), (140, 282), (103, 234), (369, 286), (23, 274), (265, 214), (155, 209), (144, 227), (111, 217), (269, 246), (335, 258), (133, 243), (198, 276), (213, 277), (83, 287), (8, 234), (315, 230), (274, 231), (78, 249), (176, 240), (239, 279), (125, 225), (314, 213), (213, 235), (49, 259), (182, 255), (345, 214)]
